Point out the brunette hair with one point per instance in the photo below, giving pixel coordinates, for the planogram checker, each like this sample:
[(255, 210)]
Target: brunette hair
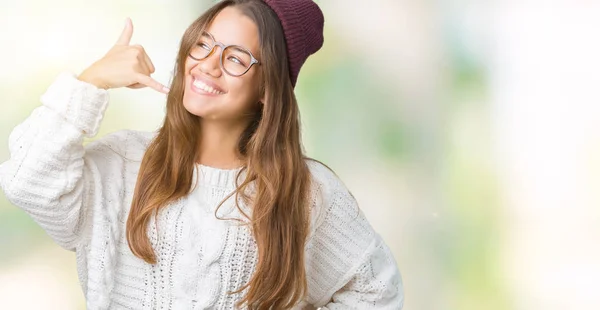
[(277, 178)]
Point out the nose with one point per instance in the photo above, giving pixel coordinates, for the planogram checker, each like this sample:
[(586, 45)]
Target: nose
[(211, 64)]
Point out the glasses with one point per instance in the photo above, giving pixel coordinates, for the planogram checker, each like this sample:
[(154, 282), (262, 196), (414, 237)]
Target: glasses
[(235, 60)]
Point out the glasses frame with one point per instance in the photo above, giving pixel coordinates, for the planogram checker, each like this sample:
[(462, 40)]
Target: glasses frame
[(223, 47)]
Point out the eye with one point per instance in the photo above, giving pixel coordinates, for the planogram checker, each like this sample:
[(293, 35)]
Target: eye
[(235, 60), (204, 46)]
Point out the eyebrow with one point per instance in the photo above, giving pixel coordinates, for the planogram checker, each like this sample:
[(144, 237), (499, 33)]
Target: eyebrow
[(238, 47), (212, 35)]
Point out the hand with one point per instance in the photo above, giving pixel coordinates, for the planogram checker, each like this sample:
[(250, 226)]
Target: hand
[(123, 65)]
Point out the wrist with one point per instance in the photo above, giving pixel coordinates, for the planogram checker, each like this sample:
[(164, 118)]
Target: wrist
[(92, 80)]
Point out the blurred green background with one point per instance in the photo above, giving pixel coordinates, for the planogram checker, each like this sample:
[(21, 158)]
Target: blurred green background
[(467, 130)]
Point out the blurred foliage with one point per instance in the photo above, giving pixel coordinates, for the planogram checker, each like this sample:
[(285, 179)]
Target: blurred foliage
[(345, 109), (350, 118)]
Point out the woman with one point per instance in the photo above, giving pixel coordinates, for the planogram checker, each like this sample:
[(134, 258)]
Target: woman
[(218, 209)]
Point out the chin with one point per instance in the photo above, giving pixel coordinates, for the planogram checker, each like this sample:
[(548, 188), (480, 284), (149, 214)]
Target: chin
[(197, 106)]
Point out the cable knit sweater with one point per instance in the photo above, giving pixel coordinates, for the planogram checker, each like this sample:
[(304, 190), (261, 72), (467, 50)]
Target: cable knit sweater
[(81, 196)]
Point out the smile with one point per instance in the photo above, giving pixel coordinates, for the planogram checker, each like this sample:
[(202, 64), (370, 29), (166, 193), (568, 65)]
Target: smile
[(206, 88)]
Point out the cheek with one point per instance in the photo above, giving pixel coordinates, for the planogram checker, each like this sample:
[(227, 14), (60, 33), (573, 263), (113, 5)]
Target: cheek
[(188, 67), (244, 89)]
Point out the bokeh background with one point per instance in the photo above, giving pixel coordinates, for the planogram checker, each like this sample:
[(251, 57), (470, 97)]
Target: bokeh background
[(468, 130)]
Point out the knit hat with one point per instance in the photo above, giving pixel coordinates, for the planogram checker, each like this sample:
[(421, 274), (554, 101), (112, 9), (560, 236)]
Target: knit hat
[(302, 22)]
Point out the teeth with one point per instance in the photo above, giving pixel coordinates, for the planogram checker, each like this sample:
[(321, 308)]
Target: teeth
[(206, 88)]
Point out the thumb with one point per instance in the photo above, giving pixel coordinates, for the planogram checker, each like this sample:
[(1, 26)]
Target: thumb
[(126, 34)]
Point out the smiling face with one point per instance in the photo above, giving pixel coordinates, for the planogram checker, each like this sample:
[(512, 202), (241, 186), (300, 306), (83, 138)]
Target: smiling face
[(210, 92)]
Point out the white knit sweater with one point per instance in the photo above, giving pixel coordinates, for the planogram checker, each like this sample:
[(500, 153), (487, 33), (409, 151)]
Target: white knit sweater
[(81, 197)]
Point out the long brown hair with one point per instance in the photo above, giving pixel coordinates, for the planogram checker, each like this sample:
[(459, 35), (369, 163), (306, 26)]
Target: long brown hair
[(277, 179)]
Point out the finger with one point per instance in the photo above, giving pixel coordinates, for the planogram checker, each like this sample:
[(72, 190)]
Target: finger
[(142, 67), (152, 83), (149, 63), (136, 86), (145, 59), (126, 34)]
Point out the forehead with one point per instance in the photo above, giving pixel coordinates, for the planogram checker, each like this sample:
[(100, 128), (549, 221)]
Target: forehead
[(231, 27)]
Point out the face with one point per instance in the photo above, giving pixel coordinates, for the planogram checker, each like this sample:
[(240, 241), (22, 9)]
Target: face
[(229, 98)]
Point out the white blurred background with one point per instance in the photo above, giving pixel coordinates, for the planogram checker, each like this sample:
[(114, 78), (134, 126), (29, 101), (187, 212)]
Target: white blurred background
[(469, 132)]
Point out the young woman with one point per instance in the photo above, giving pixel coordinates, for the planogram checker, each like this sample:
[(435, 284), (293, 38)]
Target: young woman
[(218, 209)]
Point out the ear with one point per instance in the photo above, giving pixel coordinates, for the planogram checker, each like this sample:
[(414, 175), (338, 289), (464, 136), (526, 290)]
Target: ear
[(263, 95)]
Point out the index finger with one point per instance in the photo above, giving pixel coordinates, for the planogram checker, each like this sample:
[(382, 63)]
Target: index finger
[(152, 83), (126, 34)]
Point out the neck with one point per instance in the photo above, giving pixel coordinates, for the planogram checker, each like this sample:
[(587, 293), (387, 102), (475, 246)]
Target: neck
[(218, 145)]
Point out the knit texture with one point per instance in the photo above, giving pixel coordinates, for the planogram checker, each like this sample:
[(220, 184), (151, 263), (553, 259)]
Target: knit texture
[(302, 22), (80, 195)]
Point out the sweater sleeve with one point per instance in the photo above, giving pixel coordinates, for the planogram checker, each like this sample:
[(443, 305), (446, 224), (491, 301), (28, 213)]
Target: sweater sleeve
[(349, 265), (47, 174), (376, 284)]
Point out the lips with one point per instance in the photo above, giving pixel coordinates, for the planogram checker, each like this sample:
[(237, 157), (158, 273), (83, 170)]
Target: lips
[(207, 86)]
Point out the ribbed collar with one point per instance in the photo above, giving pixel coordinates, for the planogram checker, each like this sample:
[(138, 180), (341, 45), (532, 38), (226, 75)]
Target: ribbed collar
[(217, 177)]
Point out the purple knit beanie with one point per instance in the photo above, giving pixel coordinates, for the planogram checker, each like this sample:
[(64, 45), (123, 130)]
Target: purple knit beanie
[(302, 22)]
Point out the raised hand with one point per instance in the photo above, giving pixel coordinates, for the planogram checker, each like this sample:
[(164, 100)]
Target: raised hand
[(123, 65)]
